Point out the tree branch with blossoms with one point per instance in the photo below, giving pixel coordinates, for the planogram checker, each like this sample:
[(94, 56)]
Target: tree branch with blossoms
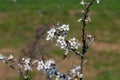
[(85, 20), (58, 33)]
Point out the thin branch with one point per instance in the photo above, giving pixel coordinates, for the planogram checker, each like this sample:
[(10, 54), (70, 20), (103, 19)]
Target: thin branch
[(13, 68), (84, 49)]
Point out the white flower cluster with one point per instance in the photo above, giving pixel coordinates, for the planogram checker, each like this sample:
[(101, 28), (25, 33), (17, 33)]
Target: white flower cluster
[(27, 66), (64, 27), (62, 76), (40, 65), (46, 65), (60, 34), (75, 72), (74, 44), (60, 30), (50, 34), (49, 63), (2, 57), (25, 62), (49, 67), (61, 42), (84, 3)]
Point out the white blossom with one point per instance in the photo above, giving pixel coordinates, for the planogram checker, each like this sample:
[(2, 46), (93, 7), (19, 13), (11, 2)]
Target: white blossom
[(35, 61), (40, 65), (79, 20), (61, 42), (26, 76), (27, 61), (82, 11), (98, 1), (51, 34), (76, 72), (62, 76), (89, 36), (80, 75), (20, 66), (82, 2), (48, 63), (66, 51), (45, 66), (1, 57), (10, 57), (74, 43), (27, 67), (23, 59), (89, 19), (64, 27), (50, 68)]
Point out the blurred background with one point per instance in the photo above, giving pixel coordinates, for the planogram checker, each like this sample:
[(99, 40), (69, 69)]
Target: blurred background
[(20, 18)]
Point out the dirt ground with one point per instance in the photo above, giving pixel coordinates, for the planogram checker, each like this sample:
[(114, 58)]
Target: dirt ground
[(7, 74)]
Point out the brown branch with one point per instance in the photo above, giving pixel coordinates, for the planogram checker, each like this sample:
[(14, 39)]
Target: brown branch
[(84, 49)]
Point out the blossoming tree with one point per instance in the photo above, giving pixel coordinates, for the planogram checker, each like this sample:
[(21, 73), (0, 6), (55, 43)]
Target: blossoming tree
[(58, 33)]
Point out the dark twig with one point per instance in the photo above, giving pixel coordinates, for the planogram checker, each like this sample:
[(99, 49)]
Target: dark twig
[(13, 68), (84, 49), (32, 46)]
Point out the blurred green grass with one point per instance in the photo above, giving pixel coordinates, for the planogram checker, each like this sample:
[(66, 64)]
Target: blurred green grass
[(23, 16), (19, 19)]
